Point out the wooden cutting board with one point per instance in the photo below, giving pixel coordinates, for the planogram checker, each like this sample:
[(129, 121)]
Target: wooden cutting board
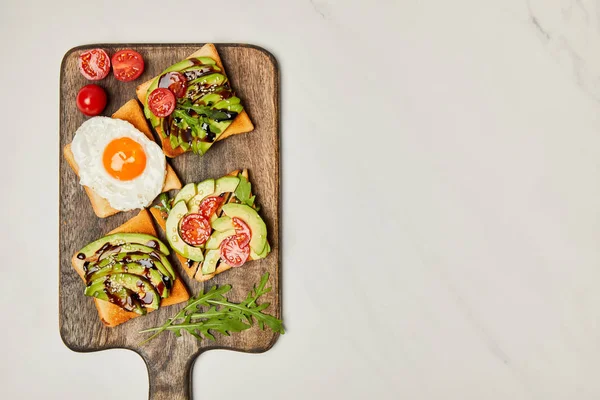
[(255, 78)]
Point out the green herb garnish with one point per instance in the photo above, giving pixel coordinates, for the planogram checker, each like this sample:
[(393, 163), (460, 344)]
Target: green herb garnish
[(211, 311), (165, 203), (243, 191)]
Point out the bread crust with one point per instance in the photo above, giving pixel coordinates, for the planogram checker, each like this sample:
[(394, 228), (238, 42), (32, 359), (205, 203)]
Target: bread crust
[(132, 113), (241, 123), (112, 315)]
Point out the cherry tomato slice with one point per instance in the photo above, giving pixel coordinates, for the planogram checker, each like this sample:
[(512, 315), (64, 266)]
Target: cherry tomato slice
[(91, 100), (161, 102), (232, 253), (194, 229), (128, 65), (175, 82), (242, 231), (94, 64), (209, 205)]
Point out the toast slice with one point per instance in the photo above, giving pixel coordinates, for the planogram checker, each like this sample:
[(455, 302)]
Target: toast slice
[(241, 123), (132, 113), (112, 315), (193, 269)]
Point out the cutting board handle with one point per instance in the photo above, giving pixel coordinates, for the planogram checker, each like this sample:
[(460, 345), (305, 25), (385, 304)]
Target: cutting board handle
[(170, 378)]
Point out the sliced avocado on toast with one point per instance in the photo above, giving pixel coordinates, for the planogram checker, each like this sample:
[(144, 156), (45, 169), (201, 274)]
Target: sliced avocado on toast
[(205, 111), (233, 193), (130, 270)]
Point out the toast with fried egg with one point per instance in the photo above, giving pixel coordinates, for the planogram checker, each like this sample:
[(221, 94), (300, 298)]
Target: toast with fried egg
[(132, 113)]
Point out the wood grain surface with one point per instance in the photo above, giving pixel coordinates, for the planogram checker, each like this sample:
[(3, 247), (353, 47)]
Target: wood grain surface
[(254, 76)]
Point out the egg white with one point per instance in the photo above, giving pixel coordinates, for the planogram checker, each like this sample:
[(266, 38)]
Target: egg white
[(88, 146)]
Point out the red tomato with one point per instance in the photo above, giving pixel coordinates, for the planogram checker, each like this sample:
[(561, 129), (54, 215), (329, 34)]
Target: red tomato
[(209, 205), (194, 229), (175, 82), (242, 231), (161, 102), (232, 253), (128, 65), (91, 100), (94, 64)]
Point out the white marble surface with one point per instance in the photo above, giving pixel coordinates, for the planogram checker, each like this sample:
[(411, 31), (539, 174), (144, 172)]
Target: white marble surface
[(441, 197)]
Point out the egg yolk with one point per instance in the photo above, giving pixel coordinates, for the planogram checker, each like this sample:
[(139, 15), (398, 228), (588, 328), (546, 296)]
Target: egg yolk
[(124, 159)]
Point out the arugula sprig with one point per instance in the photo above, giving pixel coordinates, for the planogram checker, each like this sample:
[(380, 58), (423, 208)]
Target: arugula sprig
[(243, 190), (212, 312), (165, 204)]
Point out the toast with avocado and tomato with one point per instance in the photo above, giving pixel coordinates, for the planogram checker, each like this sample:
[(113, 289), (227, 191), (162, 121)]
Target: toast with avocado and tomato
[(191, 104), (132, 113), (214, 225), (127, 272)]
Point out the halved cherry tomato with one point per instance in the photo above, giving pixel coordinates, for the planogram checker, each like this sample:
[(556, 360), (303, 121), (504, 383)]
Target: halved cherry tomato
[(128, 65), (209, 205), (91, 100), (94, 64), (232, 253), (242, 231), (161, 102), (175, 82), (195, 229)]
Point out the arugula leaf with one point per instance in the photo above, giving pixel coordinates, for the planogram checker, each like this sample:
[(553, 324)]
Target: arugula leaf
[(165, 204), (212, 312), (243, 190)]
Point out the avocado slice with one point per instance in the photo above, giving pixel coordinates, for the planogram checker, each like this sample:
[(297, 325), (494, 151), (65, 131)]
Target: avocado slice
[(186, 193), (226, 184), (124, 298), (161, 262), (215, 79), (150, 273), (141, 286), (210, 262), (210, 99), (203, 190), (227, 102), (105, 243), (257, 226), (178, 211), (264, 253), (214, 241), (222, 224)]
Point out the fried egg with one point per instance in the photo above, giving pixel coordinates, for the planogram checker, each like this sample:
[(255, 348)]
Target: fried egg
[(119, 162)]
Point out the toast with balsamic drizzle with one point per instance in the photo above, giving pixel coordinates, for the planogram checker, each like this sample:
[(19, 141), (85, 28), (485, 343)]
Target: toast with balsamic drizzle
[(111, 314), (240, 123)]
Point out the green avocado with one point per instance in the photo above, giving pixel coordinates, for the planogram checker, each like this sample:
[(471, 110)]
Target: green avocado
[(257, 226), (210, 262), (118, 239), (222, 224), (141, 286), (146, 271), (203, 190), (214, 241), (160, 261), (226, 184), (264, 253), (123, 297), (178, 211), (210, 99), (208, 80), (186, 193)]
